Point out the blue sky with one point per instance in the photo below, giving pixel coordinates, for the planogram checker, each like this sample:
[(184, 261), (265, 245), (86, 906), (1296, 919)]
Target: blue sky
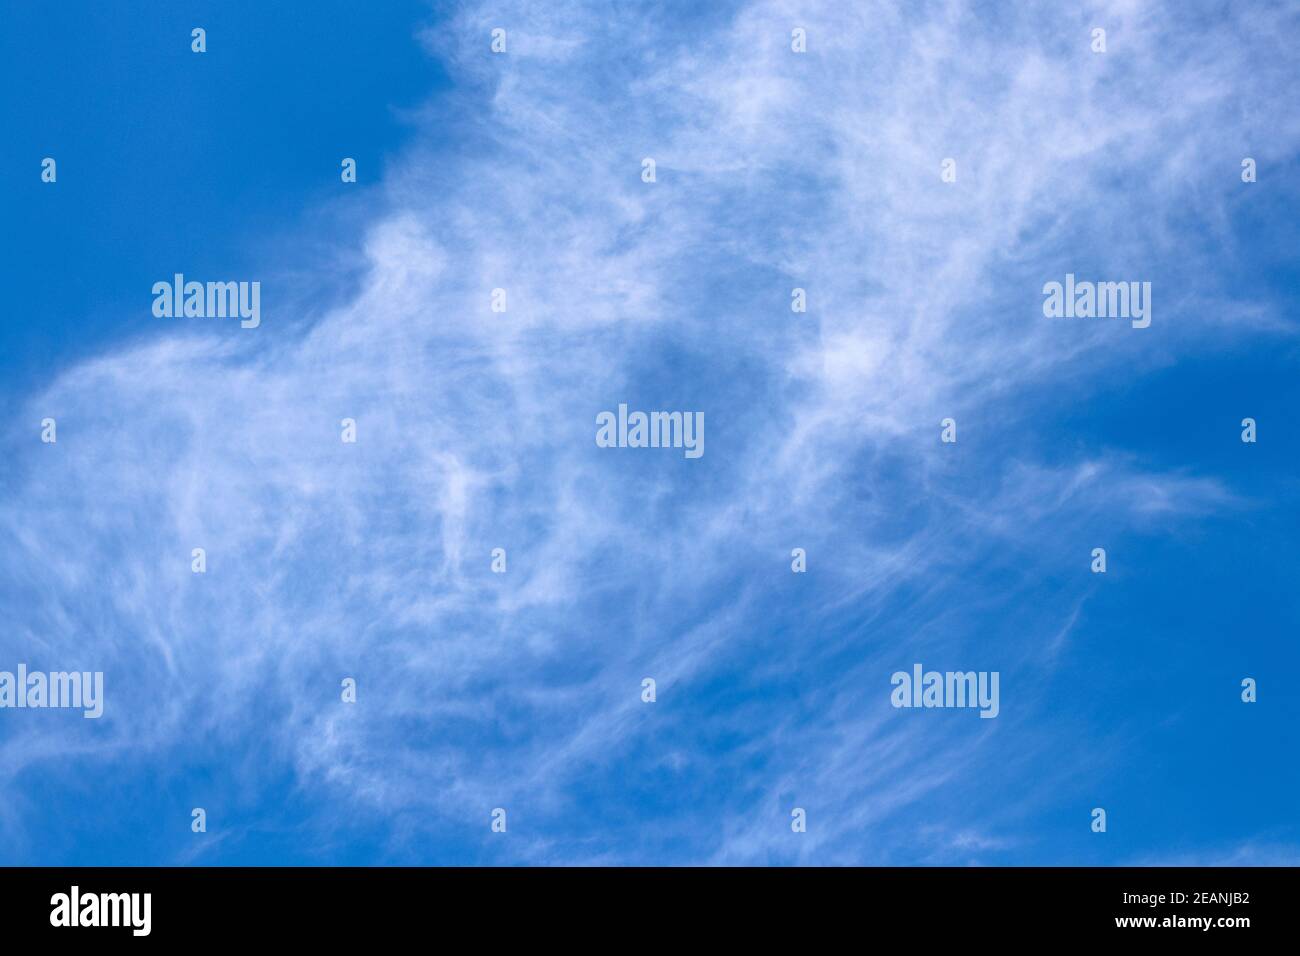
[(476, 429)]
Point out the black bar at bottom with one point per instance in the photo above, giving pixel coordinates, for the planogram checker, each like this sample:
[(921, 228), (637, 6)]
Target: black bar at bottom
[(333, 905)]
